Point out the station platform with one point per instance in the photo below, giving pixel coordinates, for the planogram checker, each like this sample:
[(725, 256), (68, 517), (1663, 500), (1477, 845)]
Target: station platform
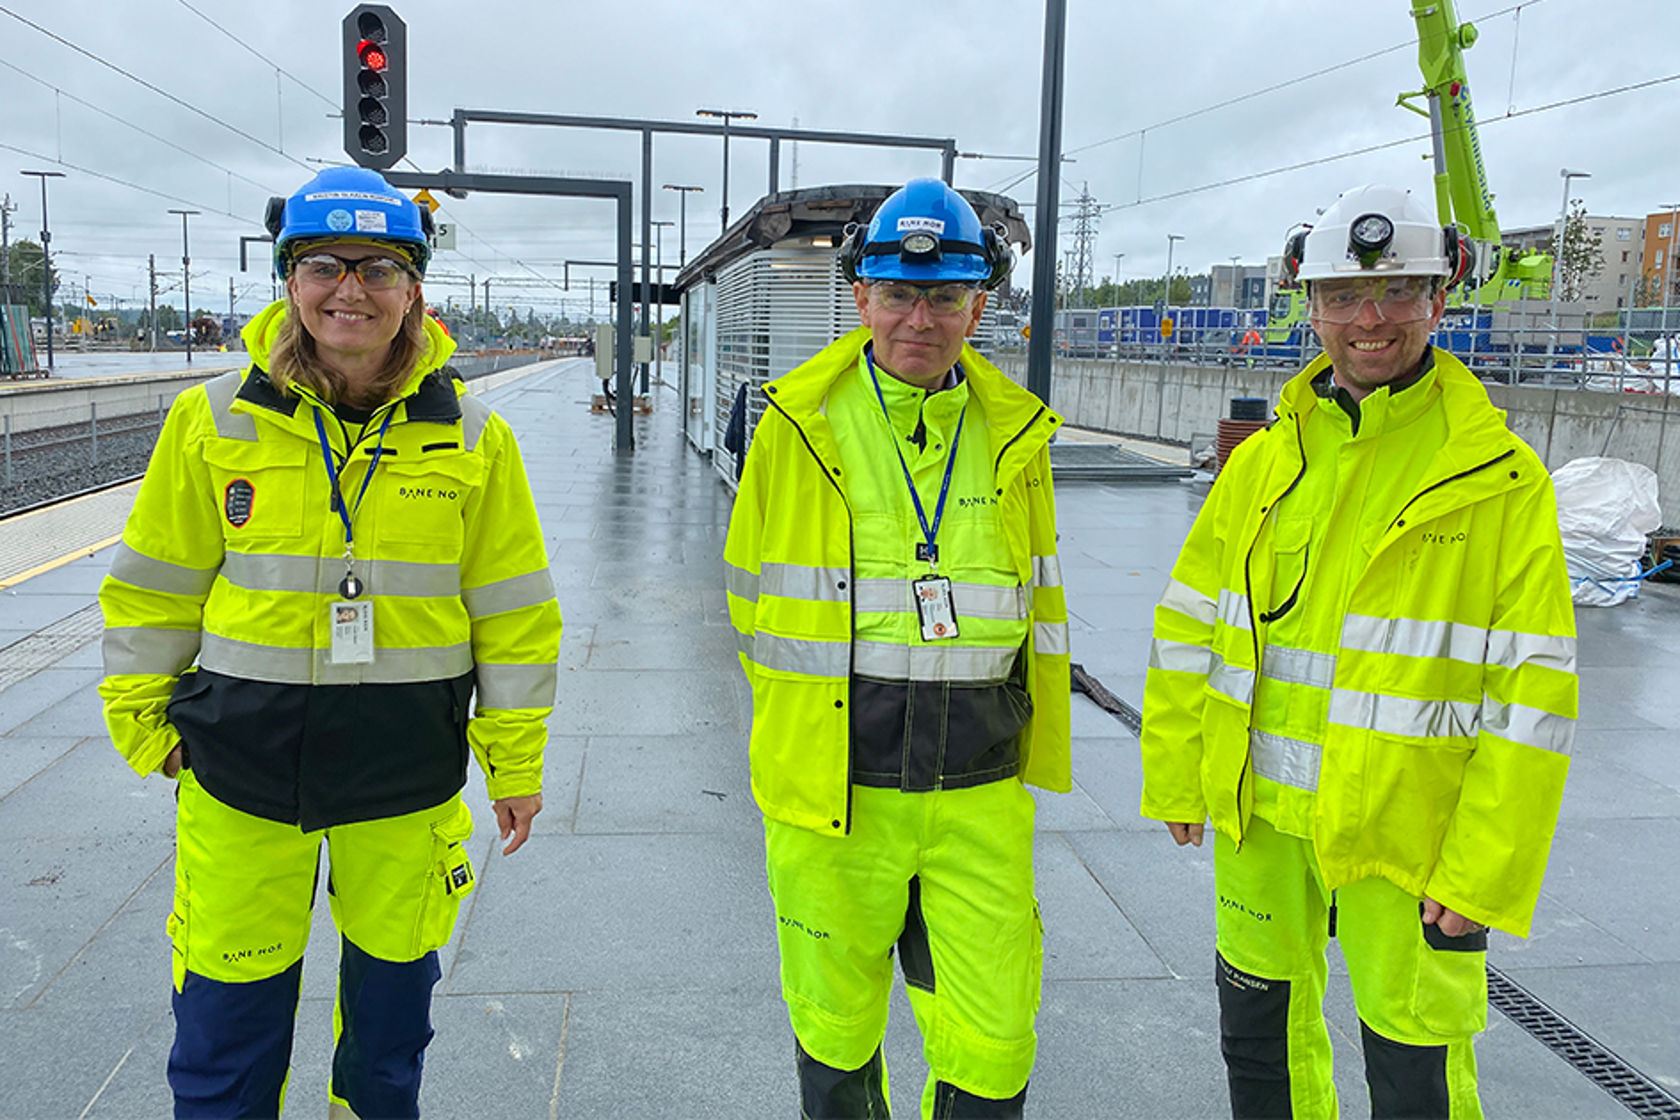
[(623, 964)]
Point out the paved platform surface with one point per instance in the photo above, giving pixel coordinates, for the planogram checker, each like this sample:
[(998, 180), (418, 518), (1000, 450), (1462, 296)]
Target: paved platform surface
[(624, 963)]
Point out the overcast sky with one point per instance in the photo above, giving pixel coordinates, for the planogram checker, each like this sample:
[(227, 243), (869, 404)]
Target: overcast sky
[(970, 71)]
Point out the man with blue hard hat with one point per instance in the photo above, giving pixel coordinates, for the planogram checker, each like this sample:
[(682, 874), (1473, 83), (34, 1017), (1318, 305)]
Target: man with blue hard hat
[(1363, 675), (892, 574)]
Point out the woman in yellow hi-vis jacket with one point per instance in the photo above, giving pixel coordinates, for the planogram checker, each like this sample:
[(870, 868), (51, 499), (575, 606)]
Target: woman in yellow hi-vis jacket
[(893, 577), (332, 588), (1363, 674)]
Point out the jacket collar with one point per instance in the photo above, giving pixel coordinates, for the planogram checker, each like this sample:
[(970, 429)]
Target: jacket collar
[(1017, 423)]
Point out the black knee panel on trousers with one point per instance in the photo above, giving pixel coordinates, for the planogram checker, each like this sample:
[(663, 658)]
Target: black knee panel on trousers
[(1254, 1037), (952, 1103), (1406, 1081), (826, 1093)]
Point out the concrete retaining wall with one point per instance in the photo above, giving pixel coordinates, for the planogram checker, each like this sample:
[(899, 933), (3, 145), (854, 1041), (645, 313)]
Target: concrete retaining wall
[(1170, 402)]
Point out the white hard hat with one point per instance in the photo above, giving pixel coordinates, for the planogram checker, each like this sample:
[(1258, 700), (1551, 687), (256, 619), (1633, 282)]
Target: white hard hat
[(1377, 231)]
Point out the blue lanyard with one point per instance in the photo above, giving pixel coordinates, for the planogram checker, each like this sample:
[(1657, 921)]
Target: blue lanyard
[(345, 513), (930, 533)]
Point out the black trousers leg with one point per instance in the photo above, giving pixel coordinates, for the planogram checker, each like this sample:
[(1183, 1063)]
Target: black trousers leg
[(1406, 1082), (1254, 1037), (826, 1093)]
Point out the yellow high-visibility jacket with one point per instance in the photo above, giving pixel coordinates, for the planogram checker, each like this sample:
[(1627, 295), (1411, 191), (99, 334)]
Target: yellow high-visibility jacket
[(1451, 686), (233, 553), (792, 585)]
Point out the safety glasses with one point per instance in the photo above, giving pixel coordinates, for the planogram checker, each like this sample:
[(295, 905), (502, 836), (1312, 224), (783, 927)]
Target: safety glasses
[(1399, 299), (377, 274), (942, 299)]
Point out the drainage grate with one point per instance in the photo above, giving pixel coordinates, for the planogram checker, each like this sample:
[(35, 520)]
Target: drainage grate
[(1595, 1061), (48, 645), (1106, 700)]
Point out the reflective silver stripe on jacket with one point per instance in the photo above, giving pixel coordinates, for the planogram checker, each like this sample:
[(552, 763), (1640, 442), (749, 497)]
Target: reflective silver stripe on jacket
[(287, 665), (140, 570), (895, 661), (511, 594), (1529, 726), (1051, 639), (321, 575), (1233, 609), (515, 686), (221, 390), (1288, 762), (1231, 681), (1457, 641), (148, 649), (796, 581), (1047, 571), (1179, 657), (797, 655), (1511, 649), (740, 583), (1415, 637), (1186, 600), (972, 600), (475, 416), (1297, 666), (1403, 715)]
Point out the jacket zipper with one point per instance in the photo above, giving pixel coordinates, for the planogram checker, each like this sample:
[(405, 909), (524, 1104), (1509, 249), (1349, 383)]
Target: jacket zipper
[(1450, 478), (851, 599), (1004, 450), (1270, 511)]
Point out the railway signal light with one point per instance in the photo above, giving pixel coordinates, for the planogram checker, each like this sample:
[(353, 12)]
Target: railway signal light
[(375, 86)]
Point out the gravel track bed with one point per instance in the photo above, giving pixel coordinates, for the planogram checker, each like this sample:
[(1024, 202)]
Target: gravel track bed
[(46, 466)]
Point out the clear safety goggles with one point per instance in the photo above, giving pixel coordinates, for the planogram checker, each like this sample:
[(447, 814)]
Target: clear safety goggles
[(942, 299), (377, 274), (1398, 299)]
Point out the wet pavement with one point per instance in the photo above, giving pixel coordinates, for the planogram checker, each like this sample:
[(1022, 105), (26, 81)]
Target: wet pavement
[(624, 963)]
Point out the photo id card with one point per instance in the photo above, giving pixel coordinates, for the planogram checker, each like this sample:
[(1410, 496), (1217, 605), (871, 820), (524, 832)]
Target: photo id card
[(935, 608), (351, 622)]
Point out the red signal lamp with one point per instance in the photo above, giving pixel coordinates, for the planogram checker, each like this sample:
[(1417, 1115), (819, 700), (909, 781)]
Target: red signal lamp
[(372, 55)]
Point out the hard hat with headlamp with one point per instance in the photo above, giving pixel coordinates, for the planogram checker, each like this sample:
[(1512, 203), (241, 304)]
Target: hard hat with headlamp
[(925, 232), (1377, 231), (349, 203)]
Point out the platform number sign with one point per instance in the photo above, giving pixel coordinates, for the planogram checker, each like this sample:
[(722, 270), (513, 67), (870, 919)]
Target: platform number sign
[(375, 86)]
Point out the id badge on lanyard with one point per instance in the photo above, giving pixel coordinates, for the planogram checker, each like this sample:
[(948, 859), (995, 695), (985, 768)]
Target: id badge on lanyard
[(350, 619), (935, 607)]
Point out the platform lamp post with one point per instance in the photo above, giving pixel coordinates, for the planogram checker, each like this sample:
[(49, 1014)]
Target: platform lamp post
[(1557, 248), (46, 256), (656, 298), (186, 280), (727, 115), (682, 219)]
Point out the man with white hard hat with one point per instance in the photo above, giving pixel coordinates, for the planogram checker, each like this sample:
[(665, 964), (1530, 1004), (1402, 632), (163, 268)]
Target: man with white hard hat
[(1363, 673)]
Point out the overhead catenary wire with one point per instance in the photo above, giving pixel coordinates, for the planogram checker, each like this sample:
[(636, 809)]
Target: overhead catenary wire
[(1010, 183), (1402, 141), (163, 93)]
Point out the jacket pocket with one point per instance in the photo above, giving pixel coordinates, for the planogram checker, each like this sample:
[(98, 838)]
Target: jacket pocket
[(1289, 568), (449, 879), (423, 502), (259, 487)]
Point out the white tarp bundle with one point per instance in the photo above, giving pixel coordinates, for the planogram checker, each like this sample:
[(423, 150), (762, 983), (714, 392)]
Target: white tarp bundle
[(1606, 507)]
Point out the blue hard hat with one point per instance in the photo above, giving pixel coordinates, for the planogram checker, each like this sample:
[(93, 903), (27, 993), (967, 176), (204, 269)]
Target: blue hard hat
[(349, 202), (927, 232)]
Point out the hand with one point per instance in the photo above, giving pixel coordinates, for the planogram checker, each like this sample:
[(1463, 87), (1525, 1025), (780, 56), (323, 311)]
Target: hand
[(172, 763), (514, 816), (1186, 833), (1449, 922)]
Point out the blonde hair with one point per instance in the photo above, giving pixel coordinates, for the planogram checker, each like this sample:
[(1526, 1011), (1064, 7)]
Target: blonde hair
[(293, 360)]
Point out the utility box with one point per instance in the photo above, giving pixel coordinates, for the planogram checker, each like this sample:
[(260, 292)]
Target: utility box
[(604, 351), (643, 352)]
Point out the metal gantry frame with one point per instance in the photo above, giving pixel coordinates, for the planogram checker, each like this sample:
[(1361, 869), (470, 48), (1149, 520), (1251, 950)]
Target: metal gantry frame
[(459, 184), (946, 146)]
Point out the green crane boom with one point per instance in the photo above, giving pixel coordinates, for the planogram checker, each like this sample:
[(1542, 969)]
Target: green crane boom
[(1462, 197)]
